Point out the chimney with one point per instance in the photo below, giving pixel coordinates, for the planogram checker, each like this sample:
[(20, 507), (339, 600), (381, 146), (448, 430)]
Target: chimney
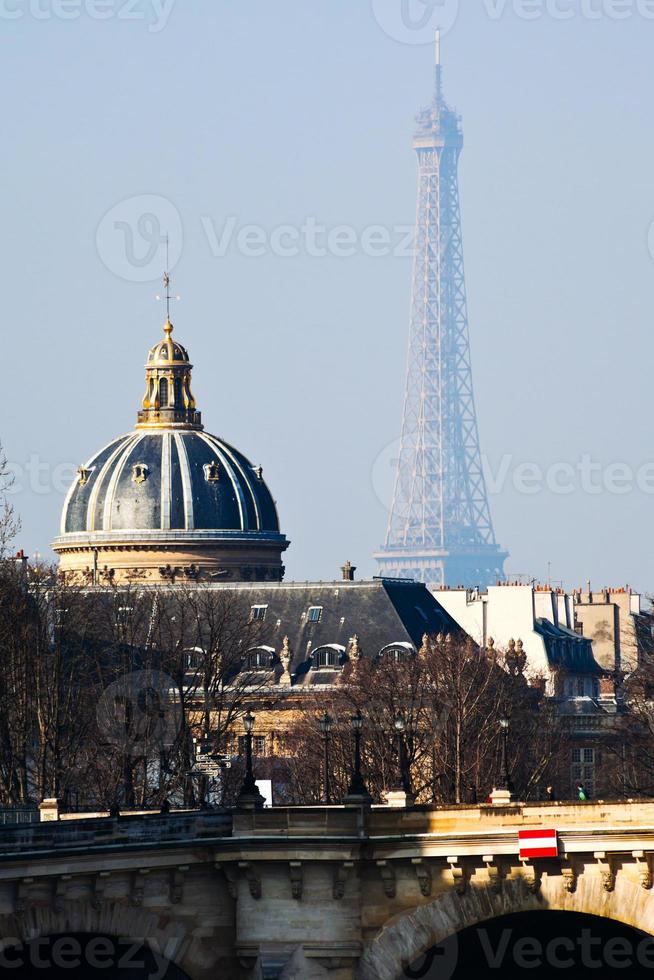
[(348, 570)]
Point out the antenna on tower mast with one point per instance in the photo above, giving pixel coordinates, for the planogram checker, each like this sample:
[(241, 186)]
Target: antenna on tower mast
[(437, 62)]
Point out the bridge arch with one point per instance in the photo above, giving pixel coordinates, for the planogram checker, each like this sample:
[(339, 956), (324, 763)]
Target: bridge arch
[(406, 938)]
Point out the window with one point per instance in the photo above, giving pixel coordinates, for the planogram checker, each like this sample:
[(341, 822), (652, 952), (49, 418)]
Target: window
[(178, 392), (212, 472), (124, 613), (258, 613), (139, 473), (314, 614), (580, 687), (583, 769), (327, 656), (163, 393), (194, 659), (260, 659), (258, 745), (399, 652)]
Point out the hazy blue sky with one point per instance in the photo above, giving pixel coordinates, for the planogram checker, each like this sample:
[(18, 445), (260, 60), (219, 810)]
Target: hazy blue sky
[(300, 114)]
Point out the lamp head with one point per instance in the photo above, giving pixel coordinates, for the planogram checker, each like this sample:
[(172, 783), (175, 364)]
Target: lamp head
[(248, 722), (326, 724), (357, 721), (400, 722)]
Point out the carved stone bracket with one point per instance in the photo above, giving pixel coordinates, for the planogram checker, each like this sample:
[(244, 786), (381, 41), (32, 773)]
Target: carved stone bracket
[(138, 884), (177, 884), (97, 894), (297, 882), (607, 870), (458, 875), (253, 879), (643, 861), (341, 872), (569, 877), (530, 877), (230, 878), (22, 895), (389, 881), (494, 873), (423, 874), (59, 894)]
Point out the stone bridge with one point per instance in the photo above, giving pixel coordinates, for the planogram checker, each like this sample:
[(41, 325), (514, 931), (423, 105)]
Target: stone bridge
[(304, 893)]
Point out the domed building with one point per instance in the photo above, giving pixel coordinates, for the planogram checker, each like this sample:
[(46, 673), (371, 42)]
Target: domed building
[(168, 501)]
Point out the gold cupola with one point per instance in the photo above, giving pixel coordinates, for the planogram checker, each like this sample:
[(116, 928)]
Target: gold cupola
[(168, 401)]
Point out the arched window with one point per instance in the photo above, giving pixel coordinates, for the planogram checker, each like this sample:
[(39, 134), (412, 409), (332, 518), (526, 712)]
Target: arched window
[(328, 656), (178, 393), (581, 687), (260, 658), (399, 652), (163, 393)]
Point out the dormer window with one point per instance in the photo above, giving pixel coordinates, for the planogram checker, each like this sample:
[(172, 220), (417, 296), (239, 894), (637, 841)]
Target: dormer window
[(327, 656), (260, 659), (397, 652), (84, 476), (314, 615), (212, 472)]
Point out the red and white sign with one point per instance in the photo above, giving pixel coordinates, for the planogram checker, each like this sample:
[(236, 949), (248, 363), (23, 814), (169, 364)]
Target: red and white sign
[(538, 844)]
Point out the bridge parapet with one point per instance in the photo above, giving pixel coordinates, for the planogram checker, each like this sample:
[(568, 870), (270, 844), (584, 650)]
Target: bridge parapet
[(338, 890)]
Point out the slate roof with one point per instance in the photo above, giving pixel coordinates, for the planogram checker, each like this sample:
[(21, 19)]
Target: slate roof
[(380, 612)]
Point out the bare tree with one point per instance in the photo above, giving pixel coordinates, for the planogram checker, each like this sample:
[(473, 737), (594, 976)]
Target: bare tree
[(451, 696), (9, 521)]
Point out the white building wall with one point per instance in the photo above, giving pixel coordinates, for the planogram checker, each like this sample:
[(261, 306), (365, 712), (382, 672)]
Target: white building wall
[(504, 613)]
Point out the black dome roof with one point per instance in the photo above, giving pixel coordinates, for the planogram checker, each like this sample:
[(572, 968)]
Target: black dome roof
[(163, 479)]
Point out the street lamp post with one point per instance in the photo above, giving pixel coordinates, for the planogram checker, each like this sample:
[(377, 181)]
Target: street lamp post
[(357, 792), (249, 798), (404, 780), (505, 775), (325, 728)]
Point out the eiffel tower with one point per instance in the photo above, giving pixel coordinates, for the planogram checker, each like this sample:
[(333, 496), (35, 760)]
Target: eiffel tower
[(440, 530)]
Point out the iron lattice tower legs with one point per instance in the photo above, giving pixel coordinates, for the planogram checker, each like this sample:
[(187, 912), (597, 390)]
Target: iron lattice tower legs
[(440, 530)]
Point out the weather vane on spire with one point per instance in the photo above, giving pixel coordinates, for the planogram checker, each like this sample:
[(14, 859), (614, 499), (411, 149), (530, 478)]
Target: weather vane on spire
[(166, 282)]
